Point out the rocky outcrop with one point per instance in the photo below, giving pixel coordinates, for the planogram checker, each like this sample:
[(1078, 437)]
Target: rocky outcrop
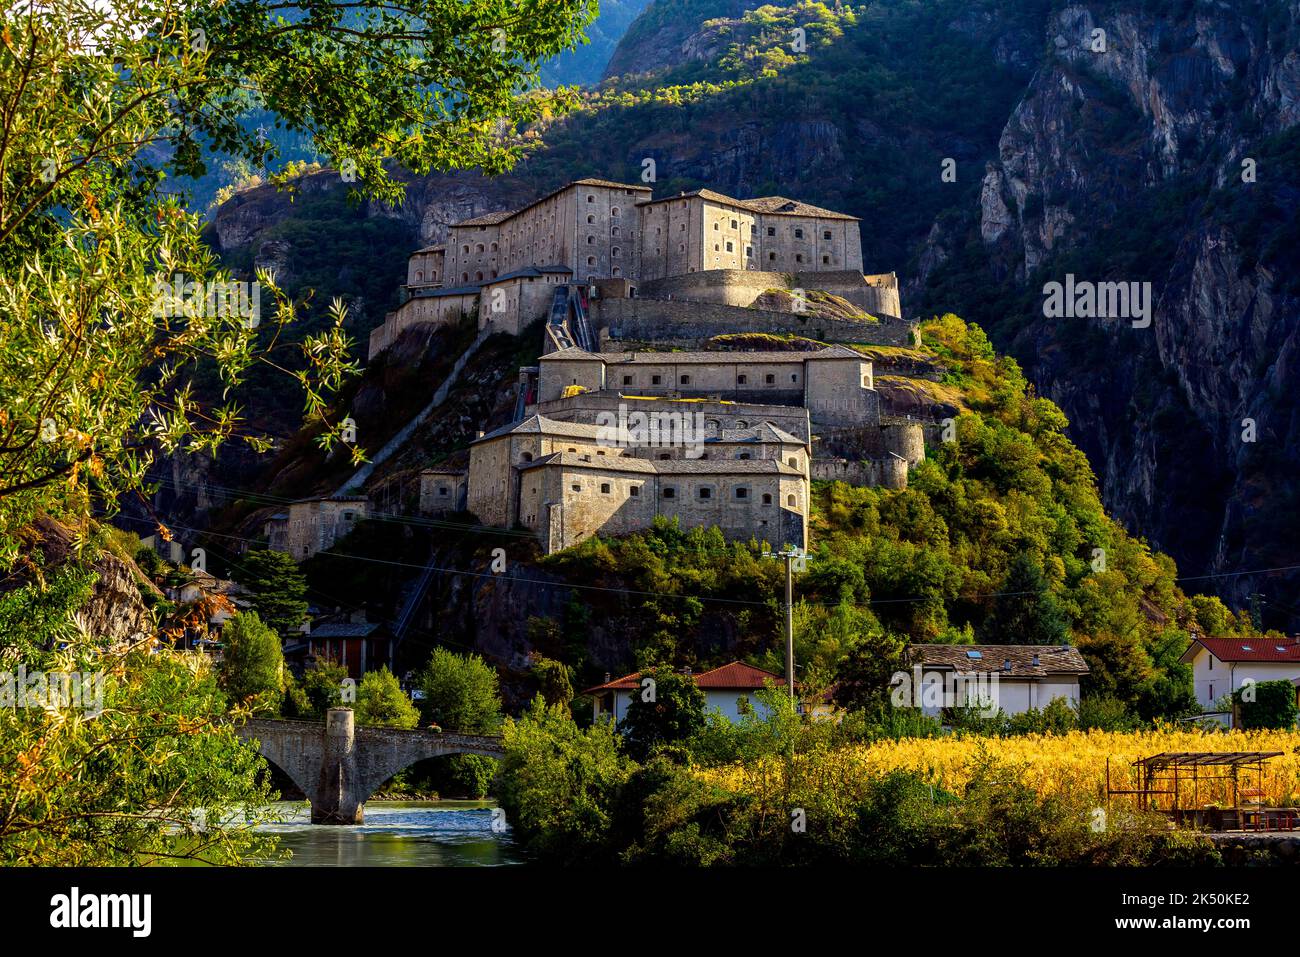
[(115, 613), (1133, 121)]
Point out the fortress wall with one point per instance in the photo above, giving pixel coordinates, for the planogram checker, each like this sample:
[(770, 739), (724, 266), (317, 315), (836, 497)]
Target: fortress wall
[(435, 310), (877, 473), (877, 294), (661, 320)]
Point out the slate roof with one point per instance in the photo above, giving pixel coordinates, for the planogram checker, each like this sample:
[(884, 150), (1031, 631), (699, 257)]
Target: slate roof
[(1052, 659), (1281, 650), (345, 629), (492, 219), (767, 205)]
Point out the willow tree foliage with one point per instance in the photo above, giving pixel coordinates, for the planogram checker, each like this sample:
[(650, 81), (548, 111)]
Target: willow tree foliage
[(102, 106), (112, 309)]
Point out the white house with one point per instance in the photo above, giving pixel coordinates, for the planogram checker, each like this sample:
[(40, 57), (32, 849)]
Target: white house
[(730, 689), (1012, 678), (1221, 665)]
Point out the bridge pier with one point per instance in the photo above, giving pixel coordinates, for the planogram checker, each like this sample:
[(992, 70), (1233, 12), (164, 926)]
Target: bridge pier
[(338, 799)]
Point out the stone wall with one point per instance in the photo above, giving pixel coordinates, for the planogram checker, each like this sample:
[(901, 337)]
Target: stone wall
[(877, 295), (904, 439), (690, 323), (433, 310), (890, 472)]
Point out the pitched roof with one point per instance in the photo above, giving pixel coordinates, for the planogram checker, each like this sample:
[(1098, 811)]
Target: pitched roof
[(541, 425), (735, 675), (527, 271), (766, 205), (492, 219), (344, 629), (1027, 661), (1246, 649)]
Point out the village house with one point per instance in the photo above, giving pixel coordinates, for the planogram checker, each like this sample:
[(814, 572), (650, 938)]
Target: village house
[(1221, 665), (729, 689), (1010, 678)]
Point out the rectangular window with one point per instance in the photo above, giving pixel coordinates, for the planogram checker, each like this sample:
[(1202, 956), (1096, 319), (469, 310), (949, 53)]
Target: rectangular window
[(706, 493), (604, 487), (826, 234), (635, 491), (627, 380), (798, 234), (742, 493), (655, 380), (576, 487), (769, 379), (771, 230), (670, 492)]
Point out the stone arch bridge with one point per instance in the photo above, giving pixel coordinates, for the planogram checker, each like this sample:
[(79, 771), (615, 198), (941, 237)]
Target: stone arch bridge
[(339, 765)]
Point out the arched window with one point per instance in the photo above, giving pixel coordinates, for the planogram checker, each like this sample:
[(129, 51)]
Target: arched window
[(478, 276), (494, 247), (614, 232), (614, 252), (617, 272), (591, 240), (528, 456), (591, 199), (789, 500), (591, 219), (478, 248), (767, 499), (591, 260), (613, 212), (419, 275)]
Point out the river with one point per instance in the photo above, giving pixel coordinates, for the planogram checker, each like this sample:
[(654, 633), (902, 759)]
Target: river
[(397, 834)]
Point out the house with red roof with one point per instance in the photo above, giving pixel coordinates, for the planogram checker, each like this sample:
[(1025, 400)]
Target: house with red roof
[(730, 689), (1221, 665)]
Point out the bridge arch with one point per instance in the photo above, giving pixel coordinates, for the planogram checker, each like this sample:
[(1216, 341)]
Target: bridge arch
[(338, 765)]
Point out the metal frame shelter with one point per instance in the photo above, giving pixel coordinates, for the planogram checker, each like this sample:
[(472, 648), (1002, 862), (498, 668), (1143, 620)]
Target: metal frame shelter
[(1167, 773)]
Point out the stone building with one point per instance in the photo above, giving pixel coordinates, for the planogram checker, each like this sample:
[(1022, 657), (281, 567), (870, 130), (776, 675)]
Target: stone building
[(443, 490), (315, 524), (701, 230), (567, 481), (614, 241), (835, 384)]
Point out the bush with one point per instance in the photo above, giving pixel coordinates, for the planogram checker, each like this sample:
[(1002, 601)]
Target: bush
[(1266, 704)]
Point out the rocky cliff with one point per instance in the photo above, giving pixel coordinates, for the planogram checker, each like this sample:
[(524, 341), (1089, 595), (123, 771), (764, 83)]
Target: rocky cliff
[(1154, 144)]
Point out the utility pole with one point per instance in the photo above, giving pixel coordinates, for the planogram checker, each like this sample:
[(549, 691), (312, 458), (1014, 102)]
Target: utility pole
[(794, 558)]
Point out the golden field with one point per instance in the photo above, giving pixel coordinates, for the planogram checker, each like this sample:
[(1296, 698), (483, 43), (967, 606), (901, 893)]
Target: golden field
[(1074, 762)]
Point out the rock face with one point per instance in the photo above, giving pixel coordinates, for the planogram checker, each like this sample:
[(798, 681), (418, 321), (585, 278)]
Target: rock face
[(115, 613), (1190, 423)]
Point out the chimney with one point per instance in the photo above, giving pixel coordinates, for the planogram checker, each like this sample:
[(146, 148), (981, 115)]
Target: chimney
[(607, 677), (1035, 661), (1006, 664)]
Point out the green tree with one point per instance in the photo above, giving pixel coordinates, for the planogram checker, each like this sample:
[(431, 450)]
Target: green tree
[(1266, 704), (322, 686), (1026, 612), (554, 680), (668, 710), (381, 700), (252, 662), (276, 589), (460, 692)]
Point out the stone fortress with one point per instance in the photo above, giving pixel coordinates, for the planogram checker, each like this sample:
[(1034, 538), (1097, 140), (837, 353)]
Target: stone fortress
[(636, 407)]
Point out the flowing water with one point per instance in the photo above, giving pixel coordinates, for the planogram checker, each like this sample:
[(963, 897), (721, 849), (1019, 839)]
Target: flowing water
[(398, 834)]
